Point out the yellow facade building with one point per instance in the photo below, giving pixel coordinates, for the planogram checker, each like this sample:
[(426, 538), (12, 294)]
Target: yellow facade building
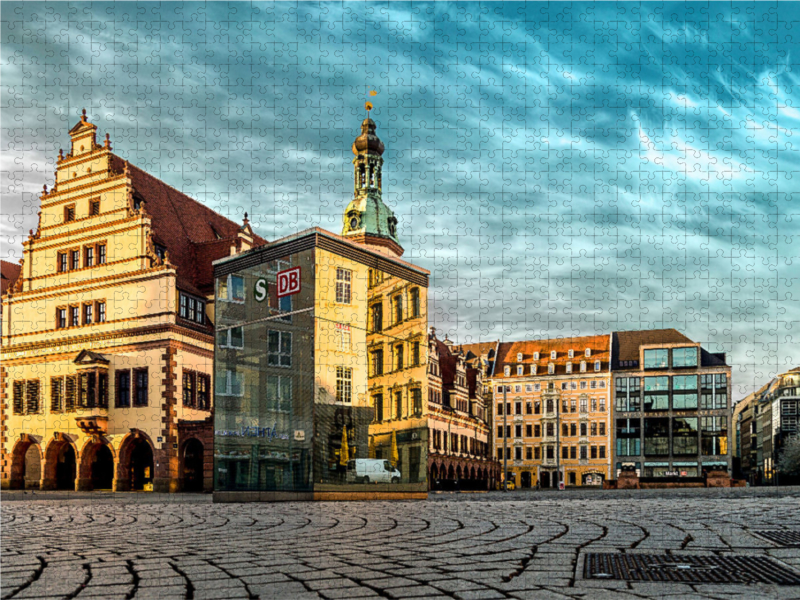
[(553, 415), (107, 334)]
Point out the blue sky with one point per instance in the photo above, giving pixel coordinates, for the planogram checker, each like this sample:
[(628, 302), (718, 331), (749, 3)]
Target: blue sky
[(562, 169)]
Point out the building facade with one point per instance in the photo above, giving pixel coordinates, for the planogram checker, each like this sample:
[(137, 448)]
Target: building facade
[(460, 453), (552, 415), (107, 337), (672, 413)]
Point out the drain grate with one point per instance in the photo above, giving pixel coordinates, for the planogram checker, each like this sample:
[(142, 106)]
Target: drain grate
[(782, 537), (688, 569)]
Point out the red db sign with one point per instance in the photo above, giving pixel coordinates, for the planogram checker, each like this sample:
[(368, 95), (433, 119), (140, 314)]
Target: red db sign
[(289, 282)]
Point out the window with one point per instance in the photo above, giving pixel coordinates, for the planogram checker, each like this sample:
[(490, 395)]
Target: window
[(656, 358), (569, 367), (377, 405), (714, 435), (189, 389), (594, 404), (583, 366), (602, 451), (161, 251), (415, 354), (584, 405), (101, 312), (140, 383), (551, 430), (602, 428), (88, 390), (26, 396), (203, 391), (551, 368), (415, 307), (583, 430), (535, 356), (75, 316), (343, 279), (376, 311), (656, 393), (376, 362), (518, 431), (416, 401), (279, 348), (62, 262), (573, 452), (397, 304), (528, 430), (570, 353), (602, 405), (192, 309), (232, 338), (520, 370), (88, 257), (230, 383), (19, 397), (584, 453), (231, 289), (75, 259), (627, 393), (279, 393), (529, 408), (88, 310), (564, 451), (69, 213), (684, 436), (537, 453), (550, 452), (56, 394), (61, 318), (94, 208), (588, 352), (500, 431), (101, 254), (593, 452), (597, 365), (398, 357), (398, 414), (684, 357), (528, 453), (656, 436), (70, 392), (518, 408), (344, 384), (564, 430), (564, 406), (537, 430), (343, 337), (537, 408), (506, 371), (553, 354), (593, 429)]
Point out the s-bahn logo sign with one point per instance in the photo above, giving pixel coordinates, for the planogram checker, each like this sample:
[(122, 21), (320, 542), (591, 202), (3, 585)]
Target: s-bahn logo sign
[(288, 282)]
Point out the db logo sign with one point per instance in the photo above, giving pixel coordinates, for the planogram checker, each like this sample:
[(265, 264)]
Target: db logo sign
[(288, 282)]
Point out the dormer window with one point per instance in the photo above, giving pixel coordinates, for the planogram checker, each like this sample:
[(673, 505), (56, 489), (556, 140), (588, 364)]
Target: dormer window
[(551, 368), (520, 370), (583, 366), (571, 353), (597, 365), (519, 356), (569, 366), (588, 352), (161, 251), (535, 356), (533, 369), (137, 202), (553, 354), (506, 371)]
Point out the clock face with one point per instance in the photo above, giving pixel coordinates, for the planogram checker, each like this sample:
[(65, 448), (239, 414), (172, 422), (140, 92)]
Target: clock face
[(354, 223)]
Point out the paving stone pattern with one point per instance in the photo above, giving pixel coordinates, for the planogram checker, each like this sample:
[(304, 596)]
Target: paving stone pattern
[(464, 546)]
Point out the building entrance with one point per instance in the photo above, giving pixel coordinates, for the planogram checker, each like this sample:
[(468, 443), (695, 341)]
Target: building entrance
[(193, 466), (103, 469), (525, 479), (141, 472), (66, 468)]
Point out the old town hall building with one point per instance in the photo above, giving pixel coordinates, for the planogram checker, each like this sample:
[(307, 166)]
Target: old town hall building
[(107, 334)]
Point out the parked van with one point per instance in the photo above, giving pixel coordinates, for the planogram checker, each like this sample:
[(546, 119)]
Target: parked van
[(371, 470)]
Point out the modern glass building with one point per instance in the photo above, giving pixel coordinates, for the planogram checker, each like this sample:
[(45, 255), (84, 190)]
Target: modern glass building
[(316, 396)]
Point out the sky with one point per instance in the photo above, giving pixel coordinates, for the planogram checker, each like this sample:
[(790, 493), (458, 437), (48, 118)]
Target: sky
[(562, 169)]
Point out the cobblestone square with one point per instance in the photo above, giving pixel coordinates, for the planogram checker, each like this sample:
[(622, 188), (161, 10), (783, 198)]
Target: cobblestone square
[(523, 544)]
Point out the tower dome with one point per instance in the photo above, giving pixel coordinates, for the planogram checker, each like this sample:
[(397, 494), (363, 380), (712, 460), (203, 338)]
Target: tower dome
[(368, 142)]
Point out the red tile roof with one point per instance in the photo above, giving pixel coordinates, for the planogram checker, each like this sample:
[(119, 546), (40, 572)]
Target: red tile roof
[(598, 344), (193, 234), (8, 275)]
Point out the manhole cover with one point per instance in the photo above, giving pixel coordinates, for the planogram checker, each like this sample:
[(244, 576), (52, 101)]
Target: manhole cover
[(789, 539), (688, 569)]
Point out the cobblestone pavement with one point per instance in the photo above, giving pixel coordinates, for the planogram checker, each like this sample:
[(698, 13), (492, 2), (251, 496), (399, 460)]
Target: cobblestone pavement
[(465, 546)]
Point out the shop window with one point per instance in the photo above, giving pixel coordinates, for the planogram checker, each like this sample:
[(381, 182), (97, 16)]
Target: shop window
[(279, 348), (684, 436), (344, 384), (656, 436), (343, 282)]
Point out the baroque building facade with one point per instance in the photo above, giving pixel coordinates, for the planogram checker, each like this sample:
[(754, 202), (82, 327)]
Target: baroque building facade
[(459, 436), (107, 337)]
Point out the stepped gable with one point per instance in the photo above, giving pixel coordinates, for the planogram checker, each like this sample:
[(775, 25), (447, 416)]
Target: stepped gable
[(193, 234)]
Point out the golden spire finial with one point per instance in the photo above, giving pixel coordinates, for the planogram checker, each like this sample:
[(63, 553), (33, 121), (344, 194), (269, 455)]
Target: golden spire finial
[(368, 105)]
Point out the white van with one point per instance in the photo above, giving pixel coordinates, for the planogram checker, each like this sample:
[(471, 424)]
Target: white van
[(371, 470)]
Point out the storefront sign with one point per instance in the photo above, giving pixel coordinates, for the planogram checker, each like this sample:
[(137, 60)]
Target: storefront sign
[(299, 435), (260, 290), (288, 282), (270, 433)]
